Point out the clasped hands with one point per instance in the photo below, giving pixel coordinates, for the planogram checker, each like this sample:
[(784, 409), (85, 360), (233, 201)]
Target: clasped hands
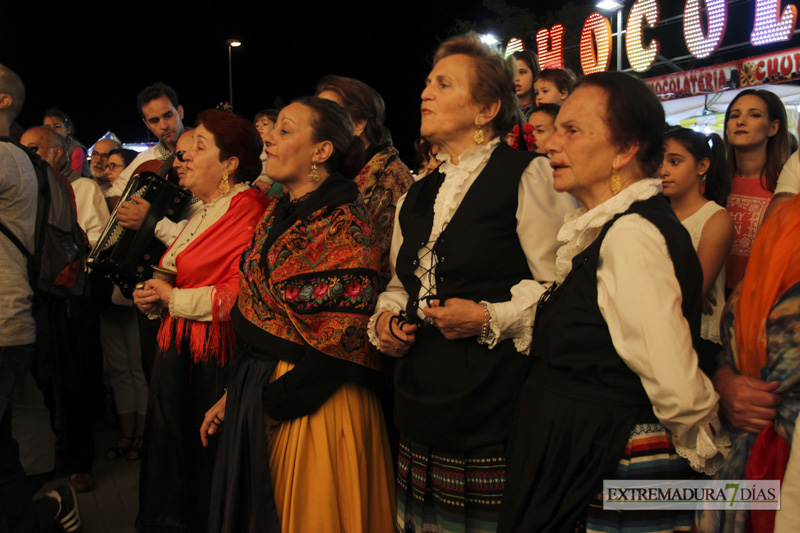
[(456, 318), (153, 297)]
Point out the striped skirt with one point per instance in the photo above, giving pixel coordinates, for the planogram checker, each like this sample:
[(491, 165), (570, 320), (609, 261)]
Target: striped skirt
[(442, 492), (649, 454)]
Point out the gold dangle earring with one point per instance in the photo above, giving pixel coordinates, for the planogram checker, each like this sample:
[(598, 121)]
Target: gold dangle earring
[(224, 187), (616, 184), (478, 136), (313, 176)]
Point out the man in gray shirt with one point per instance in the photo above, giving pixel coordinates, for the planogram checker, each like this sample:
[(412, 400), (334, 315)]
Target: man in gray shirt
[(18, 205)]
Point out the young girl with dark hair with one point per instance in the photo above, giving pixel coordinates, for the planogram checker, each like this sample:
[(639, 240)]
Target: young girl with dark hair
[(694, 175), (527, 70)]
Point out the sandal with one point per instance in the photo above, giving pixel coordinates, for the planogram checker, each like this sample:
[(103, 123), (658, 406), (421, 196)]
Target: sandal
[(135, 450), (115, 452)]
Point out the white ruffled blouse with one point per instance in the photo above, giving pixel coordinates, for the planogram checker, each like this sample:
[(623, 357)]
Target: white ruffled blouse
[(540, 213), (640, 300)]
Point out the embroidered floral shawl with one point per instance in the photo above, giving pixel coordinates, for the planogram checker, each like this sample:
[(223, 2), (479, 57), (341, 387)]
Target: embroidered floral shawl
[(382, 181), (315, 283)]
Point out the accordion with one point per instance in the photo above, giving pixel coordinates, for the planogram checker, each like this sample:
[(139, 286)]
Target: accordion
[(127, 256)]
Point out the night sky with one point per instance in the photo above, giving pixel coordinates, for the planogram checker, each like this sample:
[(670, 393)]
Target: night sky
[(92, 63)]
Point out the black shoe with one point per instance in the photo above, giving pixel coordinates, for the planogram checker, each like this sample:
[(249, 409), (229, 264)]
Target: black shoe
[(68, 514)]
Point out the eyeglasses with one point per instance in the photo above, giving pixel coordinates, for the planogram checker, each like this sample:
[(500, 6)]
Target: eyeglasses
[(99, 154), (113, 166), (179, 154)]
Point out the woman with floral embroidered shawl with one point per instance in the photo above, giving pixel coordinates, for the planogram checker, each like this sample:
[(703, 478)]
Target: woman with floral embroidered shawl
[(196, 335), (304, 444), (384, 178), (761, 336)]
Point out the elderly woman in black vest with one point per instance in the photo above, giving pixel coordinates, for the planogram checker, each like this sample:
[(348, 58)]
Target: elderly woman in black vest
[(473, 243), (614, 391)]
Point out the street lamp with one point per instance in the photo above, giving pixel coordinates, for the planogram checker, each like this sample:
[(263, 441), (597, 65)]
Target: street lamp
[(232, 43), (612, 5)]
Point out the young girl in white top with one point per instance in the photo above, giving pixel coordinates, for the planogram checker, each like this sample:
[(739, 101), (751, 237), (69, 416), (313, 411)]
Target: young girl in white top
[(695, 178)]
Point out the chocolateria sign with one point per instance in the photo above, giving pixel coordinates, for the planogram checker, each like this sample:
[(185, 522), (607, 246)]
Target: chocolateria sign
[(753, 71), (703, 30)]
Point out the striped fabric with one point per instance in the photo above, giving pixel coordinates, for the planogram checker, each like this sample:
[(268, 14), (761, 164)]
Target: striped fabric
[(442, 492), (649, 454)]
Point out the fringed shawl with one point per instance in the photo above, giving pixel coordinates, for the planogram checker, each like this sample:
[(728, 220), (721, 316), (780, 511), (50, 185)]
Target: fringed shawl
[(310, 275), (212, 259)]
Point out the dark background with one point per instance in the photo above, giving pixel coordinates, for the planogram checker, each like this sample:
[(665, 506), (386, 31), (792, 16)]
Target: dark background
[(91, 59)]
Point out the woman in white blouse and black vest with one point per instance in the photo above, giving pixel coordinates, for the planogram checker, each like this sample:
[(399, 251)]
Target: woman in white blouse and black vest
[(473, 243), (614, 390)]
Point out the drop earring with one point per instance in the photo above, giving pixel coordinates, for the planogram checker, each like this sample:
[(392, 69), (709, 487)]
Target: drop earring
[(478, 136), (616, 184), (313, 176), (224, 187)]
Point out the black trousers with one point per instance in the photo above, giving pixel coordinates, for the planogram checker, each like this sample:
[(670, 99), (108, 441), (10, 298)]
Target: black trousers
[(18, 513), (68, 356)]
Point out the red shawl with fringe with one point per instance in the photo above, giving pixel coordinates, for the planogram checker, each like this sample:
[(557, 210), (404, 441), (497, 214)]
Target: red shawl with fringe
[(212, 259)]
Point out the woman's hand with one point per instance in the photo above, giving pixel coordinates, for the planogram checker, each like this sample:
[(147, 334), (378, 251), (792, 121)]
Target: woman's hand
[(456, 318), (147, 300), (162, 289), (212, 422), (709, 301), (396, 337), (748, 403)]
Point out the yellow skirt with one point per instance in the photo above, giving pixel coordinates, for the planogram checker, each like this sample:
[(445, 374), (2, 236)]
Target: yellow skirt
[(332, 471)]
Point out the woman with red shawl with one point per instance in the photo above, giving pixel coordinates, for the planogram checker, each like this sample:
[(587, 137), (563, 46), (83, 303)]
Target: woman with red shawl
[(196, 335)]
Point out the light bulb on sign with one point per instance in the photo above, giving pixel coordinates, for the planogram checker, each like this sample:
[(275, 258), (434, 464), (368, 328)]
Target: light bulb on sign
[(643, 12)]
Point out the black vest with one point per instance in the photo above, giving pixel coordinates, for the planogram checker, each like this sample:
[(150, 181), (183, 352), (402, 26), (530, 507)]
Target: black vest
[(571, 337), (459, 395), (479, 256)]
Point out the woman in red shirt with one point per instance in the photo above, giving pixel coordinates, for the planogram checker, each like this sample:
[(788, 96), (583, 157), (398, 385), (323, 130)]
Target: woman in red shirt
[(758, 146)]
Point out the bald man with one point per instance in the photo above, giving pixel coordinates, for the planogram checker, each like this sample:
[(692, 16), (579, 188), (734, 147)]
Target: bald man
[(76, 333), (92, 208), (18, 197)]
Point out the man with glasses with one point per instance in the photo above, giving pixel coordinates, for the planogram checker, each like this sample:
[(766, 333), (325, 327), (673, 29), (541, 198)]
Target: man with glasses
[(99, 160)]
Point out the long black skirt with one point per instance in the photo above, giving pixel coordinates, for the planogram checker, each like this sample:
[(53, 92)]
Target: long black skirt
[(176, 470), (242, 499)]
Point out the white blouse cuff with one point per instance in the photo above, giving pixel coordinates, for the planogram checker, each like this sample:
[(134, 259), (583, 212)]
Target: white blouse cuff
[(711, 448), (372, 325), (508, 322)]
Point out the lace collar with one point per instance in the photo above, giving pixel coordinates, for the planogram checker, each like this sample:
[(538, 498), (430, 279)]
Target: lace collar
[(582, 226), (469, 160), (456, 177)]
